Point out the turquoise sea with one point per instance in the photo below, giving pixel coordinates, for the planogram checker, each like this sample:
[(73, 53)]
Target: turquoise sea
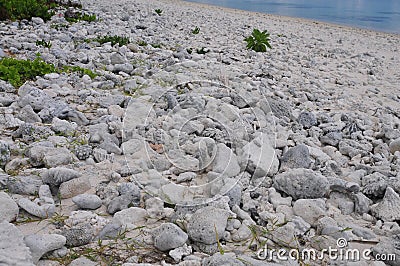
[(379, 15)]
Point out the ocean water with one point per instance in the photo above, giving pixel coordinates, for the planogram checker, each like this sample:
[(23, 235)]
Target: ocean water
[(379, 15)]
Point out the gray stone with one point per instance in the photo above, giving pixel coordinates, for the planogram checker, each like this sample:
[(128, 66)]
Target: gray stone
[(37, 20), (374, 185), (225, 161), (36, 98), (260, 157), (58, 175), (38, 208), (57, 157), (25, 185), (179, 252), (63, 127), (331, 138), (310, 209), (13, 250), (389, 208), (364, 233), (205, 223), (302, 184), (389, 246), (110, 231), (78, 236), (394, 145), (27, 115), (361, 203), (5, 153), (296, 157), (87, 201), (117, 58), (228, 259), (131, 217), (352, 148), (8, 208), (276, 199), (41, 244), (82, 261), (280, 108), (169, 236), (74, 187), (307, 119)]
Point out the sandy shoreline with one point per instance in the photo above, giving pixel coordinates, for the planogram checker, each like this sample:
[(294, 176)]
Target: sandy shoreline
[(288, 18)]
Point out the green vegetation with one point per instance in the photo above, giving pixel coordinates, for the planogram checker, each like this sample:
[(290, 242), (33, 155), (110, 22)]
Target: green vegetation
[(196, 30), (158, 11), (142, 43), (26, 9), (75, 17), (202, 51), (258, 41), (156, 45), (82, 71), (18, 71), (120, 40), (43, 43)]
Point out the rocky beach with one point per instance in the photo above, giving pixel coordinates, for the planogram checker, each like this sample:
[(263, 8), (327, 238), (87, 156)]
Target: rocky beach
[(174, 144)]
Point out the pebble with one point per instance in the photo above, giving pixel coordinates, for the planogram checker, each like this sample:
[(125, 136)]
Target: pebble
[(87, 201), (41, 244)]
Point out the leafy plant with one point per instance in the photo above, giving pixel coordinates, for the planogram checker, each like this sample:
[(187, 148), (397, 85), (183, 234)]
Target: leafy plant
[(18, 71), (82, 71), (156, 45), (196, 30), (142, 43), (120, 40), (76, 16), (202, 51), (26, 9), (258, 41), (158, 11), (43, 43)]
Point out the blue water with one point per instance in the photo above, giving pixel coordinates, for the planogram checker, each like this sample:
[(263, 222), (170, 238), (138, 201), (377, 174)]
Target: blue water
[(380, 15)]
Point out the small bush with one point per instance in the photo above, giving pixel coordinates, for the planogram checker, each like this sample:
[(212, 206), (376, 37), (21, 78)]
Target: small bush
[(258, 41), (26, 9), (142, 43), (73, 17), (120, 40), (82, 71), (43, 43), (158, 11), (18, 71), (196, 30)]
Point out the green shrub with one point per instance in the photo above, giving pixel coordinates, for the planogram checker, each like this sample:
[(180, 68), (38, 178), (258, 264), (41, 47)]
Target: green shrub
[(26, 9), (43, 43), (258, 41), (196, 30), (82, 71), (142, 43), (73, 17), (158, 11), (17, 72), (113, 39), (202, 51)]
